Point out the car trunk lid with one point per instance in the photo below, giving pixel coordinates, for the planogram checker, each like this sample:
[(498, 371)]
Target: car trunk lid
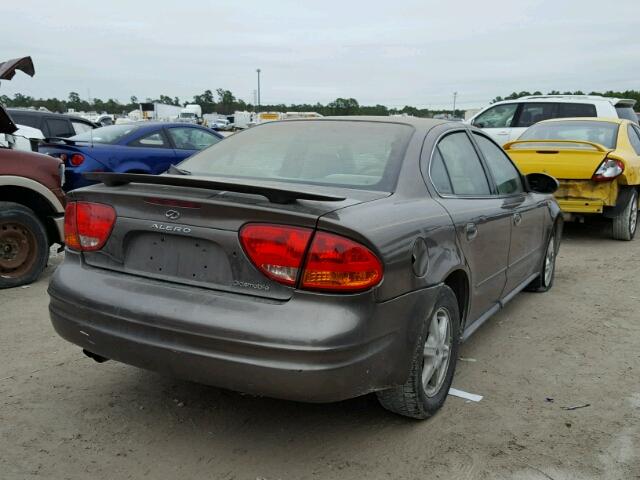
[(564, 160), (188, 234)]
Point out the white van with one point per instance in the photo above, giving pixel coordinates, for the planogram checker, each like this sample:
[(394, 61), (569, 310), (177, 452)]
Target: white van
[(505, 121)]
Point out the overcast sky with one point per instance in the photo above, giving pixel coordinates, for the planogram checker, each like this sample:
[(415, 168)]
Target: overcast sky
[(393, 52)]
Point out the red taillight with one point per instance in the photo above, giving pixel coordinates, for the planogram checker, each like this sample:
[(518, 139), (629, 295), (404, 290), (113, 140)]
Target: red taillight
[(276, 250), (76, 159), (339, 264), (608, 170), (87, 226), (333, 263)]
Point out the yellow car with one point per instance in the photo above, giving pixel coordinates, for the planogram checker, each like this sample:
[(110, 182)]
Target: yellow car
[(596, 161)]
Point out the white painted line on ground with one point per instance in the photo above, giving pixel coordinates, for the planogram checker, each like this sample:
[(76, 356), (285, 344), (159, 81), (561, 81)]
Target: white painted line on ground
[(466, 395)]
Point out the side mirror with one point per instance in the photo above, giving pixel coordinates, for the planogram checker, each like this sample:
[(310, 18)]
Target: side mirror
[(541, 183)]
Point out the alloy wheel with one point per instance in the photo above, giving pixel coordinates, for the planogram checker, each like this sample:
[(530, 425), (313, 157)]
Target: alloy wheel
[(550, 261), (436, 352), (633, 217)]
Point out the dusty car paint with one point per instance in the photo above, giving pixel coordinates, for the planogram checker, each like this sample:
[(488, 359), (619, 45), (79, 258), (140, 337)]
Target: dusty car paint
[(238, 329)]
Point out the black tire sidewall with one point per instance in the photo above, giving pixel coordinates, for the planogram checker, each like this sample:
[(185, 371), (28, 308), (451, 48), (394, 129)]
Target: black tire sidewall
[(447, 299), (25, 216)]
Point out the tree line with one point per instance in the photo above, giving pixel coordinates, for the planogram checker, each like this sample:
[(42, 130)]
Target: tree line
[(224, 102)]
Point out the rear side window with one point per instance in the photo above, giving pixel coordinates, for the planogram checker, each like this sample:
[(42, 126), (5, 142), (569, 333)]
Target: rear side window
[(59, 128), (506, 176), (463, 165), (439, 175), (566, 110), (626, 113), (27, 120), (80, 127), (499, 116), (192, 138), (634, 138), (535, 112)]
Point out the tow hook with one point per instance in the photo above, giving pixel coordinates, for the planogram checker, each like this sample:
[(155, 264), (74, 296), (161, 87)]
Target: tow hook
[(94, 356)]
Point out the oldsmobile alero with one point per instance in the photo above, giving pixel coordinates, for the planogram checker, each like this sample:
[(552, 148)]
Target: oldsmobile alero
[(313, 260)]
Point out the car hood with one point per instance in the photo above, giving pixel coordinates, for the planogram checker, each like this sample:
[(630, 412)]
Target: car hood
[(8, 68)]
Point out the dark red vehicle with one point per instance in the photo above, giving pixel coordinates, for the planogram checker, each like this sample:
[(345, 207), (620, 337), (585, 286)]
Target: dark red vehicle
[(31, 210)]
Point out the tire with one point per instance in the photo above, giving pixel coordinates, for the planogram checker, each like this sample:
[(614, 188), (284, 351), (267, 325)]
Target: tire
[(547, 273), (418, 399), (24, 249), (626, 224)]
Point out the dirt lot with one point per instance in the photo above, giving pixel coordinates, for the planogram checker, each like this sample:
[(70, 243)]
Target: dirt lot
[(64, 416)]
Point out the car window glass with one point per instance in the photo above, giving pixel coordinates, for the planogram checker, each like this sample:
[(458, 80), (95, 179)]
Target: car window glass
[(499, 116), (154, 140), (354, 154), (192, 138), (634, 138), (576, 110), (80, 127), (626, 113), (439, 175), (506, 176), (603, 133), (59, 128), (463, 165), (536, 112), (27, 120)]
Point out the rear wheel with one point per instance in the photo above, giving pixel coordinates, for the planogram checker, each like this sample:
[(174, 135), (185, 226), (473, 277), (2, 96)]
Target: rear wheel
[(23, 245), (433, 364), (544, 281), (625, 224)]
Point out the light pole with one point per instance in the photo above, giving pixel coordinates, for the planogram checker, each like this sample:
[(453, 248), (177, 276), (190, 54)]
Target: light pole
[(455, 94), (258, 71)]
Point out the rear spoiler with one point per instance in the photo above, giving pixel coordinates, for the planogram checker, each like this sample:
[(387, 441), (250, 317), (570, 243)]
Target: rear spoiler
[(555, 145), (66, 141), (275, 194), (626, 102)]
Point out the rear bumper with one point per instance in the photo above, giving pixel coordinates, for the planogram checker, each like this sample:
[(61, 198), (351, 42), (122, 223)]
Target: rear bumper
[(586, 196), (314, 347)]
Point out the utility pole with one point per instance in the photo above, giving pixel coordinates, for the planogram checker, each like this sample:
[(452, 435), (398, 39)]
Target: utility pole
[(258, 71), (455, 94)]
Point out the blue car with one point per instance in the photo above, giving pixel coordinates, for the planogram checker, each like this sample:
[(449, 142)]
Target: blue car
[(146, 147)]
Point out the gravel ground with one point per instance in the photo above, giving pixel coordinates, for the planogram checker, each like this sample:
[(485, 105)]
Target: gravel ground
[(64, 416)]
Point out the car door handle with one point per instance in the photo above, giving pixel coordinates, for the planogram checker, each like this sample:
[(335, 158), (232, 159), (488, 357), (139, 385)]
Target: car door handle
[(504, 132), (517, 219), (471, 229)]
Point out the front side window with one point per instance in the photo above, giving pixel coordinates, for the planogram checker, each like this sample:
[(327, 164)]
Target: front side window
[(463, 165), (153, 140), (499, 116), (192, 138), (506, 176)]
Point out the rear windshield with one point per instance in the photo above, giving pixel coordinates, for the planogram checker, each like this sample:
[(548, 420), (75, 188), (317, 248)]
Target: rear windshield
[(353, 154), (108, 134), (603, 133), (626, 113)]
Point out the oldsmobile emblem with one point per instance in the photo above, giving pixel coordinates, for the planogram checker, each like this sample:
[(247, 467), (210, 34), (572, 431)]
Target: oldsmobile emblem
[(172, 214)]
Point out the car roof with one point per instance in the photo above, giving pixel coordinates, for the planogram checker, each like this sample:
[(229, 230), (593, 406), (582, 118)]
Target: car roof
[(571, 99), (416, 122)]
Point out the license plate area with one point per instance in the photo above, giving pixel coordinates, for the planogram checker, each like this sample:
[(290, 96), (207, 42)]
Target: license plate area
[(176, 257)]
